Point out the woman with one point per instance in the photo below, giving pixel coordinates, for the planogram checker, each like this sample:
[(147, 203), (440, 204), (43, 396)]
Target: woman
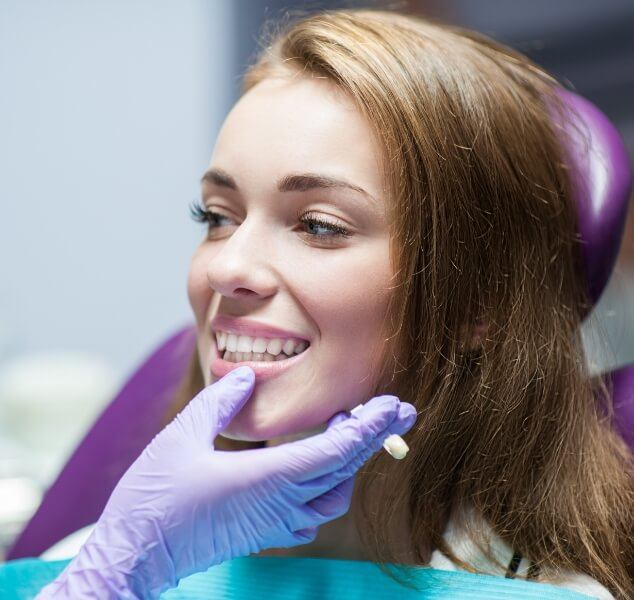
[(391, 196)]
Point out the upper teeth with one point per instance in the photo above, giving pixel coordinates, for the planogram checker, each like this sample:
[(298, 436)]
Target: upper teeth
[(246, 343)]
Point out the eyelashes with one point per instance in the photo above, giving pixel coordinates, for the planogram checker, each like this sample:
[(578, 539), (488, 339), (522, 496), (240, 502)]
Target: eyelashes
[(335, 230), (202, 215)]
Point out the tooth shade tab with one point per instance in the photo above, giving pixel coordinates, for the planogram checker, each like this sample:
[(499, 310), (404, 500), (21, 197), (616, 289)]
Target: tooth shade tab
[(232, 342)]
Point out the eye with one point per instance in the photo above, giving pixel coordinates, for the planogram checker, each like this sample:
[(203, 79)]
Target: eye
[(317, 225), (203, 215)]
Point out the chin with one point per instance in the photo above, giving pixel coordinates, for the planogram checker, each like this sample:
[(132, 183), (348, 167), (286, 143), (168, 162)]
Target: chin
[(239, 437), (244, 427)]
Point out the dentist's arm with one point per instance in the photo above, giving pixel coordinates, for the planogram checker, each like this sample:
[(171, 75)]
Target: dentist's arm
[(183, 506)]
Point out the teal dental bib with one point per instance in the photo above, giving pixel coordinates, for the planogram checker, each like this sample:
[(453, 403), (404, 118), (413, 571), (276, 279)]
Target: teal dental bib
[(289, 578)]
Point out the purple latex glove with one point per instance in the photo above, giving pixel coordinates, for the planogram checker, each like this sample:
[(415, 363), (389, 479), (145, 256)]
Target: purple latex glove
[(183, 506)]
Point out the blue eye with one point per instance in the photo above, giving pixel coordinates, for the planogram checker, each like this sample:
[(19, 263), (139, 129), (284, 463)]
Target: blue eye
[(316, 225)]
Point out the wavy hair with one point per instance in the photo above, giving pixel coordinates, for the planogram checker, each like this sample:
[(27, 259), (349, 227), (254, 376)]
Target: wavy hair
[(483, 231)]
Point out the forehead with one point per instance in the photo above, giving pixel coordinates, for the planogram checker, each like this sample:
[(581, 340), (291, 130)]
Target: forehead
[(294, 125)]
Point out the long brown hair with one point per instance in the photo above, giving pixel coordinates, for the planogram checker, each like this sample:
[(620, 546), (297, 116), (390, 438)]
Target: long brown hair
[(483, 230)]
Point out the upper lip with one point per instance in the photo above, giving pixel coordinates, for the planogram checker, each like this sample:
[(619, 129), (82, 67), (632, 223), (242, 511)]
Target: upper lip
[(242, 326)]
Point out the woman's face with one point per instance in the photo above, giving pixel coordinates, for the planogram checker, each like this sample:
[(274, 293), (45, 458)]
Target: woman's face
[(262, 263)]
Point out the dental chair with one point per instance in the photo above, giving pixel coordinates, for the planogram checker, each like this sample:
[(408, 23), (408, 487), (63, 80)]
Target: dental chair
[(603, 181)]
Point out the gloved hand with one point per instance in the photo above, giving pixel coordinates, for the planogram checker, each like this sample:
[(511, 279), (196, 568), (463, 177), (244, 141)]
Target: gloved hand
[(183, 506)]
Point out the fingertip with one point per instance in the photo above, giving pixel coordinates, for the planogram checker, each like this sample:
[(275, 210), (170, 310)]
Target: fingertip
[(243, 374), (408, 412), (406, 418), (309, 533), (336, 419), (409, 422)]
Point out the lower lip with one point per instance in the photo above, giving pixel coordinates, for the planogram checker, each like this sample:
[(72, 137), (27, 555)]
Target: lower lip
[(263, 369)]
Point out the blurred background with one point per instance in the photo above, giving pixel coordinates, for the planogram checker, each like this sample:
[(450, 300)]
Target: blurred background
[(108, 117)]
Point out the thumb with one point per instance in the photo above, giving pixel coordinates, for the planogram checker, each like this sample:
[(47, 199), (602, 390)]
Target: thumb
[(231, 394), (338, 418)]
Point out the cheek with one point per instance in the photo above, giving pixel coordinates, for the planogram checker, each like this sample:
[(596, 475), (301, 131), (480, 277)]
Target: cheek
[(347, 299)]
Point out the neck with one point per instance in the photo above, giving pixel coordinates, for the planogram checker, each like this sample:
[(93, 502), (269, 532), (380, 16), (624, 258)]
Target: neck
[(295, 436)]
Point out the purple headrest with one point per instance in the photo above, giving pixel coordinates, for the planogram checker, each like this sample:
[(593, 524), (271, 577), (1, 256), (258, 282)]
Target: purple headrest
[(602, 182)]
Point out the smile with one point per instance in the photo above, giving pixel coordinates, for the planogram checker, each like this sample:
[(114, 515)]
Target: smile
[(267, 357), (244, 348)]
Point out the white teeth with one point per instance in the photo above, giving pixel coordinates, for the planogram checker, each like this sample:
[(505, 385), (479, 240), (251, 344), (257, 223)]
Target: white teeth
[(246, 356), (274, 346), (244, 343), (221, 338), (232, 342), (259, 345)]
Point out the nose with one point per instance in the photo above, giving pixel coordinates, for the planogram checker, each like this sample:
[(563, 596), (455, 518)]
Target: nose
[(242, 266)]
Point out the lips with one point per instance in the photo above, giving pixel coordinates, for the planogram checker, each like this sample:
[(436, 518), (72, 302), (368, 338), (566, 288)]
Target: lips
[(263, 370)]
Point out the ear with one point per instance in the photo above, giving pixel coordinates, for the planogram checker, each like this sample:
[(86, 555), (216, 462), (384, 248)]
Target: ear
[(479, 333)]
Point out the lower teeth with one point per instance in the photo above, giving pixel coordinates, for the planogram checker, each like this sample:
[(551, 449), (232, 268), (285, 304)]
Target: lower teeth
[(253, 356)]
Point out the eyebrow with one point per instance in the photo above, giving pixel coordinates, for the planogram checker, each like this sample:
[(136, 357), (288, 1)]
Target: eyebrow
[(294, 182)]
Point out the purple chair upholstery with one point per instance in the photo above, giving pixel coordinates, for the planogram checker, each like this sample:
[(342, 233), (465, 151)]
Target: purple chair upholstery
[(602, 179), (603, 182), (623, 401)]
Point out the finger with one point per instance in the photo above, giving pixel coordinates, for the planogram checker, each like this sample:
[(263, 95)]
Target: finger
[(233, 390), (323, 453), (340, 417), (304, 536), (333, 504), (329, 503), (312, 489), (213, 408), (336, 501), (399, 426)]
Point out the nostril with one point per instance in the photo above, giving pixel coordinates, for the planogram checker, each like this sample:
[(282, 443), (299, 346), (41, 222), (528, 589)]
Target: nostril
[(244, 292)]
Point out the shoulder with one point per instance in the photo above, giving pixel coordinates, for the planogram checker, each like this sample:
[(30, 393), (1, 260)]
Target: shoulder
[(68, 546), (513, 565)]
